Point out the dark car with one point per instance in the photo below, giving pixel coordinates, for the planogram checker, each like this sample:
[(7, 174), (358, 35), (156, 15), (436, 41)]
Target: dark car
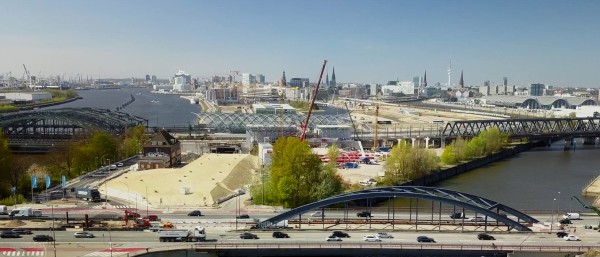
[(42, 238), (247, 235), (340, 234), (195, 213), (151, 218), (484, 236), (366, 214), (9, 234), (243, 216), (561, 234), (279, 234), (565, 221), (22, 231), (425, 239)]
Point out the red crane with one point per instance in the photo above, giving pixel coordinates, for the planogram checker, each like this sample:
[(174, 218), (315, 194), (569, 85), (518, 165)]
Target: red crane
[(312, 102)]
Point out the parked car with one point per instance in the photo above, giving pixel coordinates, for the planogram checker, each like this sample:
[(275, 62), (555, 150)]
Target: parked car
[(247, 235), (22, 231), (151, 218), (120, 164), (279, 234), (484, 236), (83, 234), (340, 234), (371, 238), (9, 234), (384, 235), (565, 221), (42, 238), (243, 216), (561, 234), (571, 238), (195, 213), (366, 214), (333, 238), (425, 239)]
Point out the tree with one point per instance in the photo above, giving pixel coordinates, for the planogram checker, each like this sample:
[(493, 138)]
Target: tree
[(6, 159)]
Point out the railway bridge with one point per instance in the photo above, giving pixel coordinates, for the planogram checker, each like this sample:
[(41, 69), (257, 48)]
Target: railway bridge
[(44, 128)]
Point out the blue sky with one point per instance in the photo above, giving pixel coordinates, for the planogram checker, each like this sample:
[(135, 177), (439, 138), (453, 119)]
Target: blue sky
[(552, 42)]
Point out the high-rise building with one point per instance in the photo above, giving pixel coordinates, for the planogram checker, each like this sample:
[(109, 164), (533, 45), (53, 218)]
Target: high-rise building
[(536, 89), (182, 78), (154, 80), (260, 79), (505, 79), (416, 80), (299, 82), (147, 78)]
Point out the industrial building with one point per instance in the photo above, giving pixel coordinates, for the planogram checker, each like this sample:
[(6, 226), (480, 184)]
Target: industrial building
[(541, 102)]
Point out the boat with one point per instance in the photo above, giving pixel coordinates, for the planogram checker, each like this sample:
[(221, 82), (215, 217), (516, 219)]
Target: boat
[(154, 101)]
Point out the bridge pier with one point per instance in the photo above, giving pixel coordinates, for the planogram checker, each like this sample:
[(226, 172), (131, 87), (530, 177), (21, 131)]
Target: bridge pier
[(569, 143), (589, 141)]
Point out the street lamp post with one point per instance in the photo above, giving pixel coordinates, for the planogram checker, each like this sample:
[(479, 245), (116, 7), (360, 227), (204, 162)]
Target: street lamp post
[(147, 201), (558, 208), (53, 234), (552, 215)]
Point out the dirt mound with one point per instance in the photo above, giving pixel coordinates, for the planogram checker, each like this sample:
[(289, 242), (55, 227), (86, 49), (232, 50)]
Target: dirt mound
[(14, 224)]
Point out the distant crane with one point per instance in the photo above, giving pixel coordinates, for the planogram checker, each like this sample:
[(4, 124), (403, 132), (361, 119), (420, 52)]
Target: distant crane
[(28, 75), (312, 102), (352, 121)]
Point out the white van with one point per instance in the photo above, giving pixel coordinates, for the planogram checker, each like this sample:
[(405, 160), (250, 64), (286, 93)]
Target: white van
[(317, 214), (572, 216), (3, 210)]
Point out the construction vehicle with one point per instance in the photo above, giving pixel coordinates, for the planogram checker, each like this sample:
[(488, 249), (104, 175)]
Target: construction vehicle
[(182, 235), (312, 102), (590, 207)]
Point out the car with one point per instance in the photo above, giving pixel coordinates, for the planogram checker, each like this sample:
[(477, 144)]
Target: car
[(120, 164), (151, 218), (42, 238), (9, 234), (317, 214), (247, 235), (484, 236), (340, 234), (243, 216), (333, 238), (565, 221), (384, 235), (425, 239), (478, 219), (22, 231), (83, 234), (366, 214), (458, 215), (371, 238), (571, 238), (195, 213), (561, 234), (279, 234)]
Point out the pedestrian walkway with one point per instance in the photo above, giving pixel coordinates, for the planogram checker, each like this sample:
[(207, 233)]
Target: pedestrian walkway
[(116, 251), (110, 206), (26, 251)]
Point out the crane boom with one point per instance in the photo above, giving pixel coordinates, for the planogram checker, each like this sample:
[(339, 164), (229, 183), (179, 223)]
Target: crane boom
[(587, 206), (312, 102)]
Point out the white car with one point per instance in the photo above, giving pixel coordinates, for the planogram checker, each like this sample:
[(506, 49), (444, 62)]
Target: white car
[(120, 164), (83, 234), (478, 219), (571, 238), (384, 235), (333, 238), (371, 238), (317, 214)]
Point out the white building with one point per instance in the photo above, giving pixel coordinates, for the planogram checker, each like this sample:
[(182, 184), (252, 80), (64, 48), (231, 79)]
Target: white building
[(270, 108), (26, 96), (405, 87)]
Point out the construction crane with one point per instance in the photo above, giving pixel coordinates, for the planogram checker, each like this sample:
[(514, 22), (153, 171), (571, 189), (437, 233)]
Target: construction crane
[(589, 207), (312, 102), (352, 121), (28, 75), (375, 139)]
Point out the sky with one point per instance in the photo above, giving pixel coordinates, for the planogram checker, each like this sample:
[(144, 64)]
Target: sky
[(528, 41)]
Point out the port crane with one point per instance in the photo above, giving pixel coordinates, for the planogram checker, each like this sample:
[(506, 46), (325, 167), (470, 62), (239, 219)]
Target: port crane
[(28, 75), (304, 126)]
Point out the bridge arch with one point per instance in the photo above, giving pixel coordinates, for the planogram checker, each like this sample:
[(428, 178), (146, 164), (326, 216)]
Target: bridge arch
[(61, 124), (481, 205)]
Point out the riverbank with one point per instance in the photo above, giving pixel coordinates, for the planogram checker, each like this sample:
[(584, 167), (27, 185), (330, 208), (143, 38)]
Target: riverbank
[(593, 189), (41, 105)]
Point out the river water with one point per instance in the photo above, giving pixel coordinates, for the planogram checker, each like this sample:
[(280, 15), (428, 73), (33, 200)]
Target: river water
[(528, 181)]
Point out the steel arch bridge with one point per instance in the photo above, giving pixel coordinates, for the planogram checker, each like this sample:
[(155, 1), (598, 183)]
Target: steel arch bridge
[(237, 122), (62, 124), (516, 128), (487, 207)]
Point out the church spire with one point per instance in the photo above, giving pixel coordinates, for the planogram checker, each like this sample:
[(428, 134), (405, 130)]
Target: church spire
[(425, 79), (333, 82), (462, 82), (327, 80), (283, 81)]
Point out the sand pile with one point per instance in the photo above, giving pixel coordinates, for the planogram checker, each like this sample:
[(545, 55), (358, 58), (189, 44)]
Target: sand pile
[(165, 187), (14, 224)]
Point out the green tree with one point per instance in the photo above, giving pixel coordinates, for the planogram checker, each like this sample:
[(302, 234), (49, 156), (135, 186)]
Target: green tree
[(6, 159), (407, 163), (449, 155), (133, 141)]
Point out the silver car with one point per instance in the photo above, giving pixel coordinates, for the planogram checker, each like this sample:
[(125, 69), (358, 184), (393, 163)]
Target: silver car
[(384, 235), (83, 234)]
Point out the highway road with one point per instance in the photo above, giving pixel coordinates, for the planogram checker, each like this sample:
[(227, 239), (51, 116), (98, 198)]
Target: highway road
[(126, 242)]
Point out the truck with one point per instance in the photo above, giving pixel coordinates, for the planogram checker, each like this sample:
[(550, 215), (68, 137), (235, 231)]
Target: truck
[(182, 235), (25, 212), (89, 194), (3, 210), (572, 216)]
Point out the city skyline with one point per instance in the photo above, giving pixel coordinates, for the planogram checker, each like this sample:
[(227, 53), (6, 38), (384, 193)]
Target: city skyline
[(550, 42)]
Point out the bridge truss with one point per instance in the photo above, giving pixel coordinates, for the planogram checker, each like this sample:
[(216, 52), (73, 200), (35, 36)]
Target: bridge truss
[(517, 128), (480, 205), (63, 124), (237, 122)]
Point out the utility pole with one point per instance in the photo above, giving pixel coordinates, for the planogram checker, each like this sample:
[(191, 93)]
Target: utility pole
[(375, 139)]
